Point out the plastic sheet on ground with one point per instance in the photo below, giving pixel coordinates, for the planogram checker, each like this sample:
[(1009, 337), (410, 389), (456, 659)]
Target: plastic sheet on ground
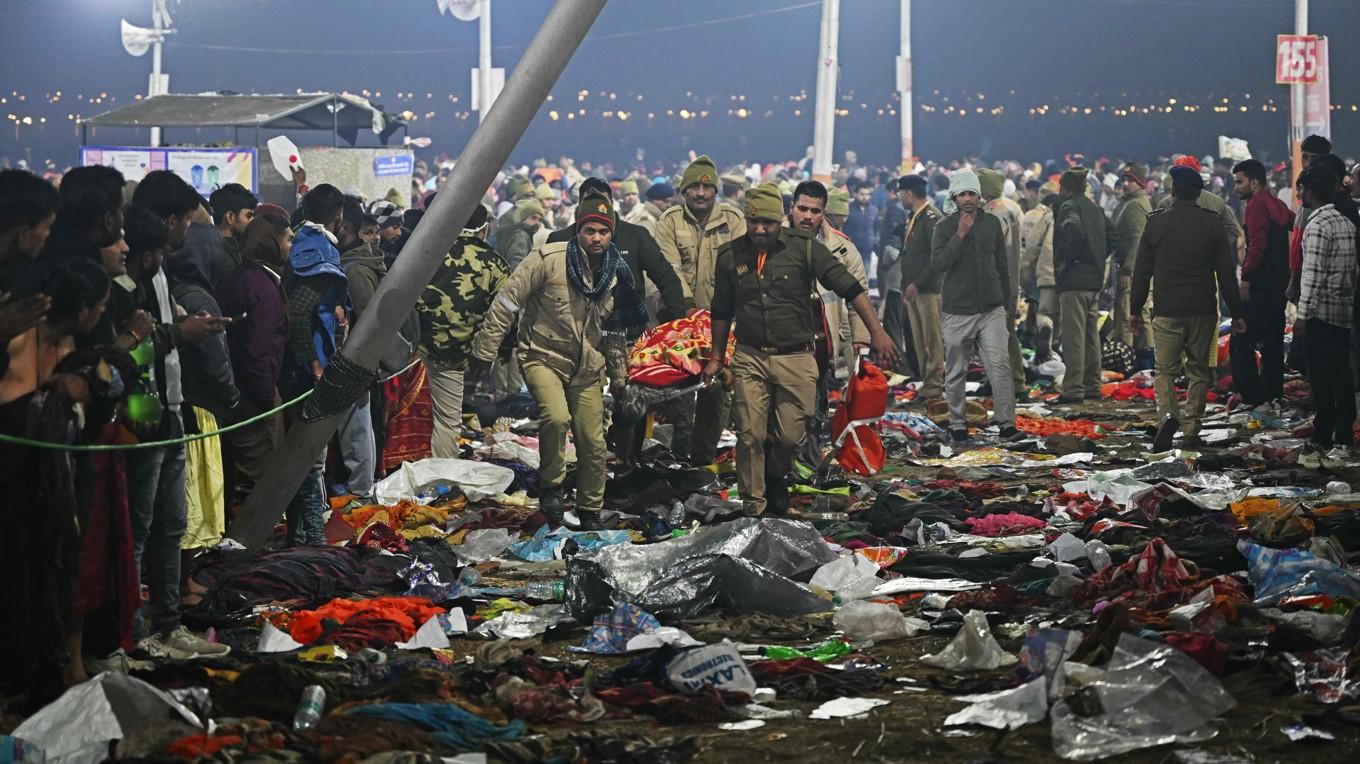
[(507, 445), (1322, 674), (524, 625), (544, 546), (744, 565), (844, 708), (77, 727), (973, 648), (1005, 709), (477, 480), (915, 584), (1281, 573), (485, 544), (875, 622), (1150, 694), (850, 577)]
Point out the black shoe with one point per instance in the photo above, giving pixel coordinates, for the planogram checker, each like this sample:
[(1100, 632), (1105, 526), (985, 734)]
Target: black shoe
[(776, 496), (1043, 344), (1166, 432), (959, 436), (1069, 399), (550, 504), (1010, 433), (589, 520)]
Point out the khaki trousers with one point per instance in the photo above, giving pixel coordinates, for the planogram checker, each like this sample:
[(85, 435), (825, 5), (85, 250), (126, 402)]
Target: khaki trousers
[(923, 314), (1189, 338), (580, 409), (1049, 312), (1081, 343), (781, 388), (446, 399)]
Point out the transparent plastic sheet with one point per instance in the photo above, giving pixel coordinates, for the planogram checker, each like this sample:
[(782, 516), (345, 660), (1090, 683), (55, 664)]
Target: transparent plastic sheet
[(1004, 709), (973, 648), (78, 726), (1322, 674), (530, 623), (1280, 573), (875, 622), (745, 565), (1150, 694), (544, 546), (638, 399), (477, 480), (485, 544)]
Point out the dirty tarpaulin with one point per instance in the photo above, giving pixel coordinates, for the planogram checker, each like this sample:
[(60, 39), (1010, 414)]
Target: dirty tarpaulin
[(747, 565)]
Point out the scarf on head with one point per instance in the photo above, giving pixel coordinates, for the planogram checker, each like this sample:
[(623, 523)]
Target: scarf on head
[(629, 316)]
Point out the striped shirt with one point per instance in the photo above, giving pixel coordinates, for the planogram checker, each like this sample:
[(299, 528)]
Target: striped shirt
[(1329, 268)]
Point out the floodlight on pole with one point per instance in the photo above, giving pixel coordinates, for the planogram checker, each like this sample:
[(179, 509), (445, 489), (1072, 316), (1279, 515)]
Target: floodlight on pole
[(137, 40), (487, 81)]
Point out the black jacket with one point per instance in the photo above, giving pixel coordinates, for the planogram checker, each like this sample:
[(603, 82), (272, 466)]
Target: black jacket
[(1081, 241), (208, 380), (644, 258)]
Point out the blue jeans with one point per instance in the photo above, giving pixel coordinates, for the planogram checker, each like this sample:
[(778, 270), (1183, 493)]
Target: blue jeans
[(159, 510), (306, 512), (358, 448)]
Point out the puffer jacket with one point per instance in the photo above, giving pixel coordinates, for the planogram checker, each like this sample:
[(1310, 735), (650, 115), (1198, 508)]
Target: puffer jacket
[(558, 326)]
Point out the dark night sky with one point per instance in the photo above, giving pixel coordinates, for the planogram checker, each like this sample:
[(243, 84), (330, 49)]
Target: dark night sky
[(1079, 51)]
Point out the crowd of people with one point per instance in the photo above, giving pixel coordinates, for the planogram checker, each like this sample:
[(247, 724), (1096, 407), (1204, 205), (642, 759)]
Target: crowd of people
[(173, 333)]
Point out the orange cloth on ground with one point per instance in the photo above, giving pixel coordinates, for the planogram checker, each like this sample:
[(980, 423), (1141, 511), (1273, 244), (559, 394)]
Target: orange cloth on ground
[(408, 613)]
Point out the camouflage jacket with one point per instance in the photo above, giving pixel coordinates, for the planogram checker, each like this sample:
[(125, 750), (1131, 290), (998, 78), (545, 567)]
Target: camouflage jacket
[(457, 299)]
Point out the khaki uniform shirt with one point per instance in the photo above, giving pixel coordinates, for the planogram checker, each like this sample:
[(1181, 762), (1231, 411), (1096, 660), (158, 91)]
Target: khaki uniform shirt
[(773, 307), (1129, 223), (692, 249), (558, 326), (1036, 246), (837, 312)]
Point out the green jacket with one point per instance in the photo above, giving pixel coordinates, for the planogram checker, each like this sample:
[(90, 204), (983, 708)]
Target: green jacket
[(1081, 240), (514, 242), (1129, 223), (975, 270)]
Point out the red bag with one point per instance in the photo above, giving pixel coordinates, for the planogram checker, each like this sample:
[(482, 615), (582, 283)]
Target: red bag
[(859, 448)]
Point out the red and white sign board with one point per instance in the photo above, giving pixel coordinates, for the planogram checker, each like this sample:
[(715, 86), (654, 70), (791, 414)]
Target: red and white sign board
[(1297, 60)]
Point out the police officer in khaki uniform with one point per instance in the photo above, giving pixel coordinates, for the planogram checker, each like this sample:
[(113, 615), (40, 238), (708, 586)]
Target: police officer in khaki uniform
[(765, 282), (689, 236), (563, 295)]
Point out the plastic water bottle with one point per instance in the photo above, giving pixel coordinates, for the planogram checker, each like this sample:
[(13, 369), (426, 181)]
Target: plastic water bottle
[(310, 708), (1098, 554)]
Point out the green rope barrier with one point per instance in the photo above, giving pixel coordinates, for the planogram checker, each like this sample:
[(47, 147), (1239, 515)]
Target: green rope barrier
[(15, 439), (152, 443)]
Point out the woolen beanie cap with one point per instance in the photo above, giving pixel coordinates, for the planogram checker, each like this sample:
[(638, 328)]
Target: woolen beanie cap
[(764, 202), (526, 208), (658, 191), (1074, 179), (837, 202), (963, 180), (1187, 160), (595, 208), (544, 192), (701, 170), (992, 183), (1135, 171), (628, 186)]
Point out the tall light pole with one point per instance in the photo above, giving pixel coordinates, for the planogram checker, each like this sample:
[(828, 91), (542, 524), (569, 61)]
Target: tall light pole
[(484, 60), (904, 90), (1298, 105), (828, 63)]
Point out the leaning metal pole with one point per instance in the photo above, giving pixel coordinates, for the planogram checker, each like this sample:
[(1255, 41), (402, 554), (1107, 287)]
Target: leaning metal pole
[(486, 152)]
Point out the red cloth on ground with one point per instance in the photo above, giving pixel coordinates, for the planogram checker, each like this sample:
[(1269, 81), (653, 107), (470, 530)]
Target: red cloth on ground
[(108, 576), (410, 418), (1210, 651), (1003, 524)]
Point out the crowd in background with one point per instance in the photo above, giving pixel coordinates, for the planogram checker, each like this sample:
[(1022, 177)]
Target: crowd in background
[(143, 313)]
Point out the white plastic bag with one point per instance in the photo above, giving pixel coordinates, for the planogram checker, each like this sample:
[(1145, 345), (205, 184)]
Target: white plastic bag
[(973, 649), (852, 577), (875, 622)]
